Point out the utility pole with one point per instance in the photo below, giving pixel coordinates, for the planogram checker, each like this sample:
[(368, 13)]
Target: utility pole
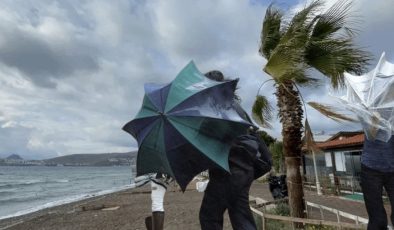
[(318, 188), (334, 169)]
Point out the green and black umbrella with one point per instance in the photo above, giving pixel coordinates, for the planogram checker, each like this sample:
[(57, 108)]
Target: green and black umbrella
[(187, 126)]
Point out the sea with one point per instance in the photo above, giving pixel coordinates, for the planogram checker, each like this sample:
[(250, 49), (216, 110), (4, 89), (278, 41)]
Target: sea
[(26, 189)]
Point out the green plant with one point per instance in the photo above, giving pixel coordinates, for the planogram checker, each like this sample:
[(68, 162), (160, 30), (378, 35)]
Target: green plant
[(278, 159), (282, 209), (318, 227)]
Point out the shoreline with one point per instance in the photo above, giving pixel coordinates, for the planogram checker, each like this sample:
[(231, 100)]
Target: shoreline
[(9, 222), (65, 201), (125, 209)]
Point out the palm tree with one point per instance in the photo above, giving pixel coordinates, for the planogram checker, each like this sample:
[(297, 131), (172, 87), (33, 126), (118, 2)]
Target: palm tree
[(310, 40)]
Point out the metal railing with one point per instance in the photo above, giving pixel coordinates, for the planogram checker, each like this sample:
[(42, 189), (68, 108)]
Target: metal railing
[(346, 184)]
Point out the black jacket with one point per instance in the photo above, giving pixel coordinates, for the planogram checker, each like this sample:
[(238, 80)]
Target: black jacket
[(248, 154)]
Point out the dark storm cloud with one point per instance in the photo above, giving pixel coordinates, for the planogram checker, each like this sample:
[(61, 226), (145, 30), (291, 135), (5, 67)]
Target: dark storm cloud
[(40, 62), (100, 53)]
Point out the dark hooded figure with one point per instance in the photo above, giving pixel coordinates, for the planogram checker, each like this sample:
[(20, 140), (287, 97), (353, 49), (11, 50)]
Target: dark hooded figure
[(231, 190), (377, 172)]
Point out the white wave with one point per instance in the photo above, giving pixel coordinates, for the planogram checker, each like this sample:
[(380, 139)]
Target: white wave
[(31, 182), (60, 181), (26, 182), (67, 201), (20, 183)]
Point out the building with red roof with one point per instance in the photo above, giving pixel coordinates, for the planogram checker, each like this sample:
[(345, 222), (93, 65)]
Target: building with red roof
[(340, 155)]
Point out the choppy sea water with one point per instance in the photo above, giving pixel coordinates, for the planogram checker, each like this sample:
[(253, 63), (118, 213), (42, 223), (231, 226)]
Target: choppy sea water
[(28, 189)]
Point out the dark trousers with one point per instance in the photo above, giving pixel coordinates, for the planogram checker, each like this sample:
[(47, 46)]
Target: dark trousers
[(231, 193), (372, 183)]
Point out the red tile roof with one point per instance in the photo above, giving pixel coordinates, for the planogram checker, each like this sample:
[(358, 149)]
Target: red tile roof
[(342, 141)]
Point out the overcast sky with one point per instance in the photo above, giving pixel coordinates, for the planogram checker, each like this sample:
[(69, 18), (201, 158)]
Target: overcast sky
[(72, 72)]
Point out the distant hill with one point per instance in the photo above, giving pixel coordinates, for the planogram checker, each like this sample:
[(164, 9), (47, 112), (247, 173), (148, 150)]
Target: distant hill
[(104, 159), (14, 157)]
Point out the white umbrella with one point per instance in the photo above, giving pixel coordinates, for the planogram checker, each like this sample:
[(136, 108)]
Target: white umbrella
[(371, 98)]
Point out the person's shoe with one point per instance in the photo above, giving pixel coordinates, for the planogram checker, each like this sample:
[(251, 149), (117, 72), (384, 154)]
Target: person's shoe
[(148, 223), (158, 220)]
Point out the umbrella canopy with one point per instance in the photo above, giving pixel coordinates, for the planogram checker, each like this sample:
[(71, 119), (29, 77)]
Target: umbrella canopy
[(371, 98), (187, 126)]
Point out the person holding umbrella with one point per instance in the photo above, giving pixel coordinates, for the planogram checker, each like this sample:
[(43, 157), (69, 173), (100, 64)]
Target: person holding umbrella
[(186, 126), (158, 183), (370, 97), (377, 172), (231, 190), (377, 159)]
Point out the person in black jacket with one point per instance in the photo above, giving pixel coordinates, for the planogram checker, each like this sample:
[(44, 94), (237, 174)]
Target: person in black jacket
[(231, 191), (249, 159), (377, 172)]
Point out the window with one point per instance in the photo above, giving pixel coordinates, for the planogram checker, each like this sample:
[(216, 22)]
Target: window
[(340, 161), (328, 159)]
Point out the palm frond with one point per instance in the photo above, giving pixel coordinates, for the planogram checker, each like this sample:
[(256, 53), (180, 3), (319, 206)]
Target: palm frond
[(309, 140), (288, 56), (270, 34), (333, 20), (332, 57), (262, 111), (332, 52), (301, 19), (330, 112), (300, 77)]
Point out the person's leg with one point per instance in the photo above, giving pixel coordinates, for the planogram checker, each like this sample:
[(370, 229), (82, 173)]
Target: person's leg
[(372, 187), (213, 207), (389, 186), (157, 195), (148, 223), (241, 216), (157, 220)]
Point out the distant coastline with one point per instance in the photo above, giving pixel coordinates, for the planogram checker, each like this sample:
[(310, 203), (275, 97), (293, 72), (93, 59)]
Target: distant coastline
[(75, 160)]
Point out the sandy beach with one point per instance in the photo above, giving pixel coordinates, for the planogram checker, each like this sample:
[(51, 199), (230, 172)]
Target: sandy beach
[(125, 210)]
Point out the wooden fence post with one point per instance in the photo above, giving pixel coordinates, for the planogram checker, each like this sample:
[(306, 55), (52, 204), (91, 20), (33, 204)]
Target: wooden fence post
[(321, 213)]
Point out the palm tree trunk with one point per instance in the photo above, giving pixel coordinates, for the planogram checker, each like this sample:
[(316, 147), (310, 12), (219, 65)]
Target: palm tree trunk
[(290, 114)]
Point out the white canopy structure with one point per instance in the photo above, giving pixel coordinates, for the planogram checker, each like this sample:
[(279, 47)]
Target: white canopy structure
[(371, 98)]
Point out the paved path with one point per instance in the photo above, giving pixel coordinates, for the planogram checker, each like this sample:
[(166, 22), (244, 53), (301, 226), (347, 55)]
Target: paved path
[(353, 207), (342, 204)]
